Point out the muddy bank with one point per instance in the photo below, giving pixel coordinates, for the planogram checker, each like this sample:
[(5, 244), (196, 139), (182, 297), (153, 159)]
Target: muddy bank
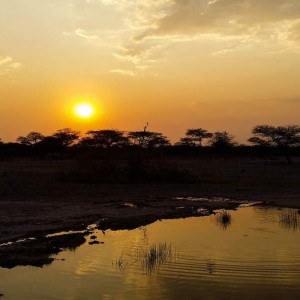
[(19, 219), (38, 252), (73, 207), (42, 250)]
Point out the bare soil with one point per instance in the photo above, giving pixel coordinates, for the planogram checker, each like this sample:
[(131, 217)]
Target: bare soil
[(33, 201)]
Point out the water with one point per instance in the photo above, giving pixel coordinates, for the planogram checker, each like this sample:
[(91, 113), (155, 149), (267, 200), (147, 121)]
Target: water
[(255, 256)]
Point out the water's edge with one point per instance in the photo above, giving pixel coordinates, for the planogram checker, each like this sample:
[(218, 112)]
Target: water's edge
[(40, 250)]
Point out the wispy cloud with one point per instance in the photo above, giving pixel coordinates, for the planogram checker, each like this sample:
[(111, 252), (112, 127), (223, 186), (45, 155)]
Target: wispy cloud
[(5, 59), (85, 34), (124, 72), (7, 64), (223, 16), (15, 65), (237, 25)]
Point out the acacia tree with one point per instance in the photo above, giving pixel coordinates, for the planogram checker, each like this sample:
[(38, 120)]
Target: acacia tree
[(31, 138), (148, 139), (66, 136), (282, 137), (106, 138), (222, 140), (156, 140), (52, 146), (194, 137)]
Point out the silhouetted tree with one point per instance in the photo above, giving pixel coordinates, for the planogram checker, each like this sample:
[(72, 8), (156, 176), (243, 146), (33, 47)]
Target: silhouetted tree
[(222, 140), (194, 137), (66, 136), (50, 145), (31, 138), (105, 139), (185, 141), (156, 139), (282, 137), (148, 139)]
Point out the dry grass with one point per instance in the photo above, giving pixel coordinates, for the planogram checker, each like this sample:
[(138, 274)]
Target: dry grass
[(156, 256), (224, 219), (290, 220)]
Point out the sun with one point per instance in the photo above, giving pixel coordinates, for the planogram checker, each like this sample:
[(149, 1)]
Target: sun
[(84, 110)]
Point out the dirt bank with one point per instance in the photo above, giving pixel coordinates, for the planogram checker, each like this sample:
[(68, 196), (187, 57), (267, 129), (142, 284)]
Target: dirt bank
[(34, 202)]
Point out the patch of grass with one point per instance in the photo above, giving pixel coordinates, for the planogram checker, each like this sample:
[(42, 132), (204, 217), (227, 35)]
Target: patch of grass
[(290, 220), (150, 259), (120, 262), (224, 219), (156, 256)]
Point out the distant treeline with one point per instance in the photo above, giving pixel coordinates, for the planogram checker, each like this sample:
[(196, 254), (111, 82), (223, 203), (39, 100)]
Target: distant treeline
[(265, 139)]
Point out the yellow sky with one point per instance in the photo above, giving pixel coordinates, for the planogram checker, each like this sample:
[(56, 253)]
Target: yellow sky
[(177, 64)]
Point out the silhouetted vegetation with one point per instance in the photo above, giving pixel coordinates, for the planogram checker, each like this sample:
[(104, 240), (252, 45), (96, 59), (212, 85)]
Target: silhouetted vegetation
[(31, 138), (143, 145), (156, 256), (104, 139), (222, 140), (151, 259), (148, 139), (290, 220), (66, 137), (195, 137), (282, 137), (224, 219)]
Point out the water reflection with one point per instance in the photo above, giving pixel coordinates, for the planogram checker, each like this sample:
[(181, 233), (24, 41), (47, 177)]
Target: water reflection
[(150, 259), (156, 256), (223, 219), (290, 220), (211, 266), (255, 257)]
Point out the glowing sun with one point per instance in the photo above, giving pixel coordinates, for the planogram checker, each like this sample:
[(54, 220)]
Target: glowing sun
[(84, 110)]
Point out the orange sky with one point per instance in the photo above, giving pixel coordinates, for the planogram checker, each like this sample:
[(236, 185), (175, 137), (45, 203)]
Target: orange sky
[(218, 64)]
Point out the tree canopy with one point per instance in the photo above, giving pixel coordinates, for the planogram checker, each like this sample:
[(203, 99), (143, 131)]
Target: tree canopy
[(267, 135), (195, 137), (148, 139), (66, 136), (222, 139), (31, 138), (106, 138), (281, 136)]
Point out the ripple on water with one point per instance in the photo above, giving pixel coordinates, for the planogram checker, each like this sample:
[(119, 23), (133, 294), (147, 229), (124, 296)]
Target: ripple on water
[(255, 257)]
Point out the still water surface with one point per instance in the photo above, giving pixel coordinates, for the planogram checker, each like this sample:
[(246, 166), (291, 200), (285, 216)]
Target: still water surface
[(257, 256)]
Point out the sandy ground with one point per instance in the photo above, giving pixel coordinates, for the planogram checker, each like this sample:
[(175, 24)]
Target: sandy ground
[(33, 201)]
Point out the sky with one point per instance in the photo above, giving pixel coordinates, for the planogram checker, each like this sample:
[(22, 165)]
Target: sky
[(177, 64)]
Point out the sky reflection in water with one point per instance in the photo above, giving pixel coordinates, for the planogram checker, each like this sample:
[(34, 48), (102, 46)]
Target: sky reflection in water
[(257, 255)]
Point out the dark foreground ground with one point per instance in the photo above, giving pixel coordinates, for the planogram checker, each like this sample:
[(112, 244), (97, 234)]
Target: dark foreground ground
[(36, 199)]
